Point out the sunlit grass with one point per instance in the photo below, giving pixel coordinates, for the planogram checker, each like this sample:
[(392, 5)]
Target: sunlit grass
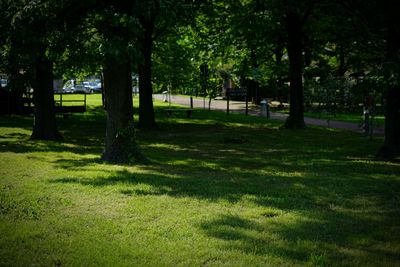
[(281, 198)]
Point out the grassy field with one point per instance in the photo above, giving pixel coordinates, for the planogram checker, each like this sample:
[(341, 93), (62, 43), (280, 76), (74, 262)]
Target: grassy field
[(219, 191), (377, 120)]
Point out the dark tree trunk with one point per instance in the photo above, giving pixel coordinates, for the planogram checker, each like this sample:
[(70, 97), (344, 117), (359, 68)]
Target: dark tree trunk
[(44, 126), (307, 51), (294, 47), (16, 80), (391, 146), (254, 65), (280, 82), (120, 144), (17, 87), (146, 109)]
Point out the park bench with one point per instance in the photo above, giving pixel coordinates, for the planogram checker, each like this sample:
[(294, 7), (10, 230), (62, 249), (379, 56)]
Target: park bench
[(70, 106), (62, 106), (169, 111)]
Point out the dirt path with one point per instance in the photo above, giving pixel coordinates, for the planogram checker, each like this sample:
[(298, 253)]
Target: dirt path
[(239, 106)]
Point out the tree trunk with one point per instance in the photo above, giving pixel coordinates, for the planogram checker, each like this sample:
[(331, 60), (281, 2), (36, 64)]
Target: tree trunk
[(16, 80), (307, 51), (146, 109), (44, 126), (280, 82), (16, 86), (294, 47), (120, 144), (391, 146)]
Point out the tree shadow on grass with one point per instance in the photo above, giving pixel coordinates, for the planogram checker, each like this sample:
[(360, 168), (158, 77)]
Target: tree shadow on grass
[(16, 121), (280, 191), (325, 239), (301, 173), (309, 174), (27, 146), (80, 134), (75, 140), (326, 225)]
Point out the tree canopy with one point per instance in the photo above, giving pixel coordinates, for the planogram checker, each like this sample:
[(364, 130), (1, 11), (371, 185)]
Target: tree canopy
[(305, 52)]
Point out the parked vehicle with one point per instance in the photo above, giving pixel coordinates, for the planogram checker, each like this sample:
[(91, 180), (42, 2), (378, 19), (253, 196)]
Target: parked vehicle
[(72, 87), (81, 88), (94, 86), (3, 83)]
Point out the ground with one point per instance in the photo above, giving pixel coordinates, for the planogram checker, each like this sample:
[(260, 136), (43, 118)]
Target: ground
[(280, 198)]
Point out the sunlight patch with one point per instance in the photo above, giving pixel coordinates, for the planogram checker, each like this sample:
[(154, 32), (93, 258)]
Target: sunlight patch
[(171, 147), (282, 174)]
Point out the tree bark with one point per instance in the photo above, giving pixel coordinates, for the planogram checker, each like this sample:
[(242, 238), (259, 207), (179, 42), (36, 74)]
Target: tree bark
[(295, 49), (16, 87), (280, 82), (120, 143), (146, 108), (44, 126), (391, 146)]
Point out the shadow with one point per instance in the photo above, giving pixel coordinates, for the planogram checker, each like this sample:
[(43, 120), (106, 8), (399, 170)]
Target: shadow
[(80, 134), (340, 200), (27, 146), (14, 136), (330, 214), (16, 121), (298, 240), (320, 185)]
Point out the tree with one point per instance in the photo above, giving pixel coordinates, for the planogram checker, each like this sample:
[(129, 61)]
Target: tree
[(156, 18), (120, 141), (391, 68), (11, 60), (44, 127), (377, 27), (294, 25), (147, 18), (39, 17), (117, 26)]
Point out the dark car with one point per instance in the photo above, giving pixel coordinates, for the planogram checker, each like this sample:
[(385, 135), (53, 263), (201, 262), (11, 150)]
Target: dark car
[(72, 87), (93, 86), (80, 88), (3, 83)]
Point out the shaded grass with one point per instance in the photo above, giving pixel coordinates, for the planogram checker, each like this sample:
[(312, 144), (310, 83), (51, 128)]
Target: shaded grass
[(378, 120), (283, 198)]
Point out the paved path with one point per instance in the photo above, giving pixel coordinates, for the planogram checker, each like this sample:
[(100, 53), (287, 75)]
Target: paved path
[(239, 106)]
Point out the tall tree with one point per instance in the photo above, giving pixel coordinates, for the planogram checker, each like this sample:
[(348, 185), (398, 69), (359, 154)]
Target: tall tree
[(294, 25), (377, 27), (391, 146), (147, 18), (44, 127), (40, 18), (120, 141), (156, 18), (11, 59), (118, 28)]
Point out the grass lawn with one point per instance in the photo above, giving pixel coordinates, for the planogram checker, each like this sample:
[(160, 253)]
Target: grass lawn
[(78, 99), (378, 120), (282, 198)]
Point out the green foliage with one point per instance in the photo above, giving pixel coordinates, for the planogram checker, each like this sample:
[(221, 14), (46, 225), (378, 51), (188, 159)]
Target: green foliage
[(172, 63)]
